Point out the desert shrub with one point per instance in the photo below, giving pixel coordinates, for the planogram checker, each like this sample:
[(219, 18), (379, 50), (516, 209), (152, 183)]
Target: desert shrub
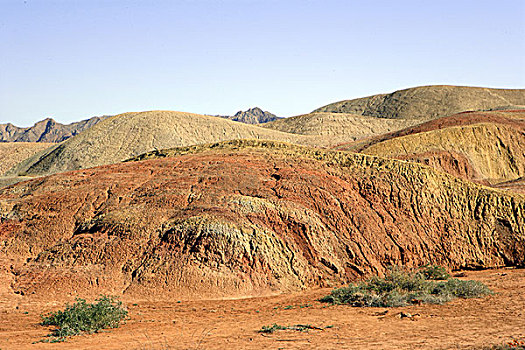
[(270, 329), (434, 272), (83, 317), (400, 287), (298, 327)]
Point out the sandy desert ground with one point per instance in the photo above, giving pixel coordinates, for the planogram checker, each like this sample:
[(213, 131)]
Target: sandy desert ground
[(233, 324)]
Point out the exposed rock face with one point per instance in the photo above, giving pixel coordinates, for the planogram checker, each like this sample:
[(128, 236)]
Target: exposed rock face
[(487, 147), (252, 116), (449, 162), (247, 218), (428, 102), (46, 130)]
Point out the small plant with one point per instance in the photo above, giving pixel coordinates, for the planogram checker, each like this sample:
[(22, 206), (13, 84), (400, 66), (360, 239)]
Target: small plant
[(434, 272), (270, 329), (298, 327), (82, 317), (402, 287)]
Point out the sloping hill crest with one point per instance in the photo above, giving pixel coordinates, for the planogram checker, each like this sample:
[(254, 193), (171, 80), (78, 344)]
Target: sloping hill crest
[(429, 102)]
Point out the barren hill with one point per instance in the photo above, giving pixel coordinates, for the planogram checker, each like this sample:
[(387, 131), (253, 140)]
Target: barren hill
[(120, 137), (488, 147), (338, 127), (12, 153), (246, 218), (46, 130), (428, 102)]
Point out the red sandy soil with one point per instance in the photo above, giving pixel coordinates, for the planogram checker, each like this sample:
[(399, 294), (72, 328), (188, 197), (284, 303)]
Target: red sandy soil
[(233, 324)]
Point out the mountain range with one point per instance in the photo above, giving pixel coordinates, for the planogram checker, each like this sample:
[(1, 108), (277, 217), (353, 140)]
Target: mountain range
[(47, 130)]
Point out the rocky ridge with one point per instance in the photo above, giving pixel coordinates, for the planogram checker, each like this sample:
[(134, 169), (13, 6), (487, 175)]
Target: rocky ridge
[(47, 130), (252, 116)]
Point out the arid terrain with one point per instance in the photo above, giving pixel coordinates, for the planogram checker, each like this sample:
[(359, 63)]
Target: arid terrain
[(209, 229), (12, 153), (46, 130), (485, 147), (218, 324), (338, 127), (429, 102)]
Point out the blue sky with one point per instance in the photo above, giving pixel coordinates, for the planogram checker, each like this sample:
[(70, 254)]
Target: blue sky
[(72, 59)]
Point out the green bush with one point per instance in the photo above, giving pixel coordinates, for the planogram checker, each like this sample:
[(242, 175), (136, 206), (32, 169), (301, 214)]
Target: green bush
[(434, 272), (82, 317), (400, 287), (298, 327), (270, 329)]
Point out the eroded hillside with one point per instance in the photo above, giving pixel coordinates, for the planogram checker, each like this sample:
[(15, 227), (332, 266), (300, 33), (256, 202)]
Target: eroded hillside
[(487, 147), (12, 153), (246, 218)]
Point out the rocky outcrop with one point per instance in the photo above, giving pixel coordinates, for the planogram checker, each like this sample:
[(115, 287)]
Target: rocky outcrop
[(46, 130), (247, 218), (428, 102), (252, 116)]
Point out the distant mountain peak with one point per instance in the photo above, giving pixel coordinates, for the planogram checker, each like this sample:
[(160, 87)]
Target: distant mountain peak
[(253, 110), (254, 115), (46, 130)]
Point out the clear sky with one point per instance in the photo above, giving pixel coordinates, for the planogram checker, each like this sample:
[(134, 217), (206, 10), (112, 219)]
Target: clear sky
[(73, 59)]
